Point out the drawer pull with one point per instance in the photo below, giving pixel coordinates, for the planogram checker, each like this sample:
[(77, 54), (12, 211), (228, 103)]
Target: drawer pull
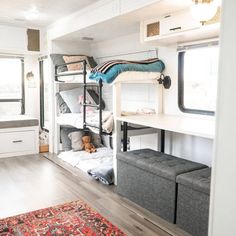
[(176, 28), (17, 141)]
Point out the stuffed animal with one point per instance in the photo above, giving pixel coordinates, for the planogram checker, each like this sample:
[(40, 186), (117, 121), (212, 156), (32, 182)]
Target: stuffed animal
[(87, 145)]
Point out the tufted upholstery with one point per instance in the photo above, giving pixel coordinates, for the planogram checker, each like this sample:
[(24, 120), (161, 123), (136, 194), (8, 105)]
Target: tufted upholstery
[(193, 201), (148, 178), (198, 180), (158, 163)]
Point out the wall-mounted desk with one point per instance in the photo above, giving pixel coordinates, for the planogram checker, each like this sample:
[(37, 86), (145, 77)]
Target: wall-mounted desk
[(202, 127)]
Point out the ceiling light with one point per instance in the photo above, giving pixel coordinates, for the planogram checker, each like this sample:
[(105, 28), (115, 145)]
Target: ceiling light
[(204, 10), (33, 14)]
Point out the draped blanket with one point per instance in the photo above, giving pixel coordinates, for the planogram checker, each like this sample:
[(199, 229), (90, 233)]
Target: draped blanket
[(109, 71)]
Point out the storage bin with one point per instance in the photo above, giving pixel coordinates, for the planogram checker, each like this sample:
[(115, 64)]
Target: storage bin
[(148, 178), (193, 201)]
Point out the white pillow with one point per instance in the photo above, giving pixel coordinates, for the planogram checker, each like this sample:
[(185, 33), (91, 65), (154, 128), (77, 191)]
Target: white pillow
[(71, 98)]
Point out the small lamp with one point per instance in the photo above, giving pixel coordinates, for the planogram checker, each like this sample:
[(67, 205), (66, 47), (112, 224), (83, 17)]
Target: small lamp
[(31, 80), (204, 10)]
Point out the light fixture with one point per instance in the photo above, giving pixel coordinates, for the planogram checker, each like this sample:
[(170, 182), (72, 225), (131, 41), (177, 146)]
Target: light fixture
[(204, 10), (32, 14), (30, 76)]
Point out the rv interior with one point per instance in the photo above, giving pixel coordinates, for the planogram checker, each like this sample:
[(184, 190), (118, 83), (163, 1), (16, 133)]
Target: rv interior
[(117, 117)]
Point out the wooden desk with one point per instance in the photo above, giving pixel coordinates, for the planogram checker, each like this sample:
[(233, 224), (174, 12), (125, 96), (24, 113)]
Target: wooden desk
[(202, 127)]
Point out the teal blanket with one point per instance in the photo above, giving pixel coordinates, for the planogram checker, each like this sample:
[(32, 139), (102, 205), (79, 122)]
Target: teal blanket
[(115, 70)]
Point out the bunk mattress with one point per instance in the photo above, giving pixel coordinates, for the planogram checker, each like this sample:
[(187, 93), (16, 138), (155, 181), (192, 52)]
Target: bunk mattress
[(86, 161), (70, 77), (76, 120), (110, 71)]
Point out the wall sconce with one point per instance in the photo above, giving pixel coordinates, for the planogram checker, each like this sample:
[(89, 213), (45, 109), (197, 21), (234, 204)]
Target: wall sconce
[(204, 10), (31, 80)]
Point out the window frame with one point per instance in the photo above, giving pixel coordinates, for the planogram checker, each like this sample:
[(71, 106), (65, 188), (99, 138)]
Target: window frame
[(22, 99), (181, 105), (42, 113)]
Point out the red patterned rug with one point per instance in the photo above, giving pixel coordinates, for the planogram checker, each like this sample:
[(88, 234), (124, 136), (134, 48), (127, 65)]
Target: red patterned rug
[(75, 218)]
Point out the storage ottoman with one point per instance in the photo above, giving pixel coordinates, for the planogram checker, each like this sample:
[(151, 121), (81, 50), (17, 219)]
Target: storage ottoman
[(148, 178), (193, 201)]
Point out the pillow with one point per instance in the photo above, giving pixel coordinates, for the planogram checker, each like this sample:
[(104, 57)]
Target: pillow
[(92, 62), (76, 66), (57, 59), (93, 96), (76, 140), (66, 142), (96, 140), (71, 98), (63, 108)]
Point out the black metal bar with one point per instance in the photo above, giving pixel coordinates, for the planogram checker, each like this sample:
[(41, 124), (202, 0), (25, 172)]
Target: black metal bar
[(91, 85), (125, 136), (67, 74), (162, 140), (91, 125), (91, 105), (100, 107)]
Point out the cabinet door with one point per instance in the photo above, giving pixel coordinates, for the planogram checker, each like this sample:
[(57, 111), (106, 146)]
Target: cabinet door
[(178, 22), (12, 142)]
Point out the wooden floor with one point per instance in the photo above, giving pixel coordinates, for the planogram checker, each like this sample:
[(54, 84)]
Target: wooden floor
[(33, 182)]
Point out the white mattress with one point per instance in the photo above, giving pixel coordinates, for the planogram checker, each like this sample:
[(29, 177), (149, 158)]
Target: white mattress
[(76, 120), (136, 76), (86, 161), (74, 78)]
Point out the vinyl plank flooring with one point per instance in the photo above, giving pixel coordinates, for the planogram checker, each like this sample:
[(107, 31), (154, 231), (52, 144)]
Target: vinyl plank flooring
[(33, 182)]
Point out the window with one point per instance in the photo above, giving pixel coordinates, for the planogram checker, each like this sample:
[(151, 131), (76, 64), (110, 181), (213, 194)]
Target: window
[(11, 86), (198, 71), (44, 93)]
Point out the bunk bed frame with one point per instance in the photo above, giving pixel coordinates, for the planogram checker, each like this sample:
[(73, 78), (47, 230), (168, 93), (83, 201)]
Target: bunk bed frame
[(98, 85)]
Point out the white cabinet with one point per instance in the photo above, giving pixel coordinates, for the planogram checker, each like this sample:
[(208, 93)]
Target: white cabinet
[(19, 141), (178, 27), (178, 22)]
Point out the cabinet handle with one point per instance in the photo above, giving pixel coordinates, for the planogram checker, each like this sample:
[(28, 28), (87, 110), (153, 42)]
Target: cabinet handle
[(17, 141), (176, 28)]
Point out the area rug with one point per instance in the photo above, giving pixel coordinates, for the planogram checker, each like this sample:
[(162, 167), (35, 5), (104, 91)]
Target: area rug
[(74, 218)]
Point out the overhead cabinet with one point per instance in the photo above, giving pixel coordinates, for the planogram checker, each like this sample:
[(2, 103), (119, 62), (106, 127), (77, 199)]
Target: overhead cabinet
[(176, 27)]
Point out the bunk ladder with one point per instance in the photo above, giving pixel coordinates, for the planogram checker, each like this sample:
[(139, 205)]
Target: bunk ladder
[(86, 125)]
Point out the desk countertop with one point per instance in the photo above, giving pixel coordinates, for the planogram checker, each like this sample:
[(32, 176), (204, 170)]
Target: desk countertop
[(201, 127)]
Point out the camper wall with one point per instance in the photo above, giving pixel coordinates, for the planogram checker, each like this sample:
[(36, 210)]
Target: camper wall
[(185, 146), (14, 41)]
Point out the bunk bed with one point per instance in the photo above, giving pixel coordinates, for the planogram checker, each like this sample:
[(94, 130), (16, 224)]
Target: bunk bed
[(100, 164)]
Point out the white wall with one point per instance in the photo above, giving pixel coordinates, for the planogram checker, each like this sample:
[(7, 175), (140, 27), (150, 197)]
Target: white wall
[(185, 146), (70, 47), (13, 40), (223, 194)]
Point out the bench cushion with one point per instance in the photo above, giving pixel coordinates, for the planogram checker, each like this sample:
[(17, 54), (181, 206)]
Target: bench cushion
[(158, 163)]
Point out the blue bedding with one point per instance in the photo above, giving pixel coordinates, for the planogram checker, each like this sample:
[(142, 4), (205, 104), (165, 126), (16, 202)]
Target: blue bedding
[(115, 70)]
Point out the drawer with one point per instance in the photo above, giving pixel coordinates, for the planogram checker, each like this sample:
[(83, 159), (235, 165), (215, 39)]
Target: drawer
[(11, 142)]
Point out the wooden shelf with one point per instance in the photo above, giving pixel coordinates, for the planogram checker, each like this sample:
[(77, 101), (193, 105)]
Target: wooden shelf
[(202, 127)]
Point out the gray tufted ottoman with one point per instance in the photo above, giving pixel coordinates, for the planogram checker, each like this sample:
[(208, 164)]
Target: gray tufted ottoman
[(193, 201), (148, 178)]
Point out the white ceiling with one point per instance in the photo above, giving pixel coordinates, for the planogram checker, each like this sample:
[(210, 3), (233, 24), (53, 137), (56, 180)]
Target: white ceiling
[(128, 23), (14, 11)]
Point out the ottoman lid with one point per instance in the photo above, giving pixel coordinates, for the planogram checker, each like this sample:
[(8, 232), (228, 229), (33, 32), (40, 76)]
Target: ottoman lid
[(199, 180), (158, 163)]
